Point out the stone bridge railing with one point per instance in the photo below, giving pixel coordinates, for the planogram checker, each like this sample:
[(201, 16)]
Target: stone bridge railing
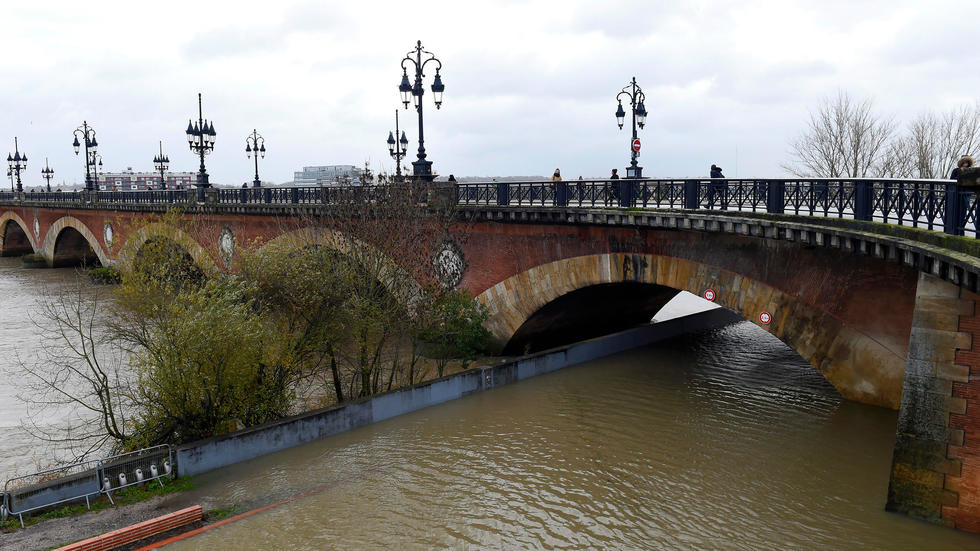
[(940, 205)]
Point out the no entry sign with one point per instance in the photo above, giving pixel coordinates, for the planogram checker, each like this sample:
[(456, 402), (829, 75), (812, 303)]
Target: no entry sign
[(765, 318), (709, 294), (636, 144)]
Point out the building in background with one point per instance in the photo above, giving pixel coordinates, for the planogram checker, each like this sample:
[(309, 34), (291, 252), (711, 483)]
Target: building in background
[(331, 175), (129, 180)]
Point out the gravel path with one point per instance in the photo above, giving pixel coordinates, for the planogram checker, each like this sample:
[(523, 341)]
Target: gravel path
[(61, 531)]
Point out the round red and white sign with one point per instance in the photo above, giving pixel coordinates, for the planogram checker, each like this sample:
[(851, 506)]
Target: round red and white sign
[(636, 144), (709, 295), (765, 317)]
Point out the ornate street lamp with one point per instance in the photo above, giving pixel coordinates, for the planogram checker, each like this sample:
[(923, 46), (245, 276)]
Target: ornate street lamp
[(91, 149), (421, 168), (200, 138), (255, 144), (17, 163), (162, 163), (96, 167), (47, 173), (397, 149), (636, 97)]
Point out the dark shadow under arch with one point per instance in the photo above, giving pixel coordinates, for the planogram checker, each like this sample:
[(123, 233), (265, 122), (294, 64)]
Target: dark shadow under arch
[(589, 312), (166, 261), (15, 240), (72, 249)]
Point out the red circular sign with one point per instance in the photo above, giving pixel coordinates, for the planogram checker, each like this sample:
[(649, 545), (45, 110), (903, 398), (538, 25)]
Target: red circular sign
[(709, 295), (636, 144), (765, 318)]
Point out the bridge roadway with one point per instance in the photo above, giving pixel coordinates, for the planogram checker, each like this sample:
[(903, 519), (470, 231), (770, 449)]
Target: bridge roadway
[(885, 311)]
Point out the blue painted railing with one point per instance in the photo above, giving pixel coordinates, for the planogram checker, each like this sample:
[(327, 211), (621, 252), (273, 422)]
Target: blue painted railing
[(939, 205)]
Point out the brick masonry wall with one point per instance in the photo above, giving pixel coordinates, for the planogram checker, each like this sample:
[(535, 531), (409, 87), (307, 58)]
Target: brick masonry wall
[(936, 461), (964, 422)]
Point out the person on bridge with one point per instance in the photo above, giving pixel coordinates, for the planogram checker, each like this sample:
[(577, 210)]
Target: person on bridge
[(717, 188), (965, 161), (614, 186)]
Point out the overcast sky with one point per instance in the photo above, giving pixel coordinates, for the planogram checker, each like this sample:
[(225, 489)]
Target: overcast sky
[(530, 86)]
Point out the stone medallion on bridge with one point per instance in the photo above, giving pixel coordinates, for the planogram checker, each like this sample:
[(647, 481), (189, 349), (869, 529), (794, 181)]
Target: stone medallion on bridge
[(37, 227), (449, 264), (107, 235), (226, 242)]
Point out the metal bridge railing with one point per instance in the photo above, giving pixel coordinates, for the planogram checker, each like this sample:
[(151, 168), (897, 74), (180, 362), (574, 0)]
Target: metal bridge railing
[(83, 480), (931, 204)]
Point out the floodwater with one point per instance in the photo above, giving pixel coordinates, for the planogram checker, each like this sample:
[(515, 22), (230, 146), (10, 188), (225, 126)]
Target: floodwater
[(20, 291), (719, 440)]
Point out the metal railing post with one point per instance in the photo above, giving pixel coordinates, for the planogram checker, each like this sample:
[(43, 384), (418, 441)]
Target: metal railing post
[(863, 204), (626, 193), (561, 194), (954, 217), (775, 197), (503, 193), (691, 194)]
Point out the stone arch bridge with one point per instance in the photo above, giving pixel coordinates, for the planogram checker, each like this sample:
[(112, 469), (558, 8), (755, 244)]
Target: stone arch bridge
[(888, 315)]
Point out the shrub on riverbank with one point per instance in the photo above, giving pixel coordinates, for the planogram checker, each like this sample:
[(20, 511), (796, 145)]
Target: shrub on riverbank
[(105, 275)]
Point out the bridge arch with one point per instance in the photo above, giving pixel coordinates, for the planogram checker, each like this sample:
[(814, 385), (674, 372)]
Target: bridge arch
[(858, 365), (158, 230), (17, 242), (78, 232)]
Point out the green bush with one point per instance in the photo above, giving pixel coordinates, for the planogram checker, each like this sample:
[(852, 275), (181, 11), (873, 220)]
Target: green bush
[(105, 275)]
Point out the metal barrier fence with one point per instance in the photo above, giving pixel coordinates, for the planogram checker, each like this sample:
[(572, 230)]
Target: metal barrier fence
[(931, 204), (83, 480)]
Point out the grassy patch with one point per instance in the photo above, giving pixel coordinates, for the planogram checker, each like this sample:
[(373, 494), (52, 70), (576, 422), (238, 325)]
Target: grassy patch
[(126, 496), (221, 514)]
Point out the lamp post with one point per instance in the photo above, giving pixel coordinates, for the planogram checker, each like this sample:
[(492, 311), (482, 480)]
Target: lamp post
[(91, 148), (162, 162), (397, 149), (96, 166), (636, 97), (421, 168), (255, 144), (47, 173), (17, 163), (200, 138)]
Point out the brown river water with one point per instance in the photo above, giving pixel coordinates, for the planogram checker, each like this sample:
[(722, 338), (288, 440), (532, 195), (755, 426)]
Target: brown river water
[(719, 440)]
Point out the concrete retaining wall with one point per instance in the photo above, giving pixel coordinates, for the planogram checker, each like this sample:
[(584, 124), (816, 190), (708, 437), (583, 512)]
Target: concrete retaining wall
[(224, 450)]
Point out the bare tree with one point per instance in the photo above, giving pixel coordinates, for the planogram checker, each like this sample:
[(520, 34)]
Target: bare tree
[(75, 376), (844, 138), (936, 141)]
